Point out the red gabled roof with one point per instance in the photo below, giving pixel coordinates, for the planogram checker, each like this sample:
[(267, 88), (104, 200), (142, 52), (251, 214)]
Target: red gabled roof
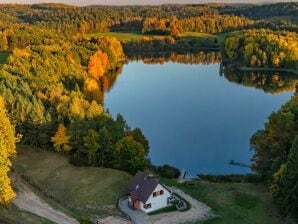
[(142, 186)]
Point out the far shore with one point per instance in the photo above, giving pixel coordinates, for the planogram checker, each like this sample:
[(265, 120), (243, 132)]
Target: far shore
[(243, 68)]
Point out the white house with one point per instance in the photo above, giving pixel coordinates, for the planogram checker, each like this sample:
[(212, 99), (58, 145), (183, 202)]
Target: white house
[(147, 194)]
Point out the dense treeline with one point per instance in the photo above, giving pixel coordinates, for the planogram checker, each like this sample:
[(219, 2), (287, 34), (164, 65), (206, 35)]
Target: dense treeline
[(19, 35), (223, 17), (211, 18), (262, 11), (276, 156), (7, 150), (278, 16), (262, 48), (202, 24), (99, 18), (147, 44)]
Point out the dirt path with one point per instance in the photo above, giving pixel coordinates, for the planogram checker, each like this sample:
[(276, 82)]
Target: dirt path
[(29, 201), (198, 211)]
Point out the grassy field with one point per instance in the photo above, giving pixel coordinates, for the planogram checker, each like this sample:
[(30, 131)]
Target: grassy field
[(122, 36), (83, 190), (192, 35), (241, 203), (137, 35), (3, 57)]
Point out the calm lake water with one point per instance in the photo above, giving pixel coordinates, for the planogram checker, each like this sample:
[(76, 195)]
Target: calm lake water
[(193, 117)]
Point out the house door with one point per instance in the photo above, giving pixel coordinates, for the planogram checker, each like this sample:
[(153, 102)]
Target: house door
[(136, 204)]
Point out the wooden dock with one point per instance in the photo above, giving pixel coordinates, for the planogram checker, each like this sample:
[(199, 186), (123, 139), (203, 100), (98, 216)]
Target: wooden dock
[(182, 174), (232, 162)]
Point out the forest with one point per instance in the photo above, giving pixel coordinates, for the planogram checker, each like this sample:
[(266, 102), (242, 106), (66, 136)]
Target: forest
[(262, 48), (53, 82)]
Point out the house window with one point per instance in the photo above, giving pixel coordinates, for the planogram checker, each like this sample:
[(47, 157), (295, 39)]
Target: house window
[(146, 206), (155, 194)]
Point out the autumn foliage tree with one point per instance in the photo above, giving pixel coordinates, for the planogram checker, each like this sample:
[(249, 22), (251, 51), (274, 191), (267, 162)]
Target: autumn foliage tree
[(113, 47), (61, 139), (7, 149), (98, 64), (92, 90)]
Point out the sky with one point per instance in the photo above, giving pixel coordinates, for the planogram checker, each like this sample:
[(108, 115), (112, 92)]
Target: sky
[(132, 2)]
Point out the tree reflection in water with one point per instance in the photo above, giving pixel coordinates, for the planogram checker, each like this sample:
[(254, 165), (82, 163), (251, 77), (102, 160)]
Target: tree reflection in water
[(269, 82)]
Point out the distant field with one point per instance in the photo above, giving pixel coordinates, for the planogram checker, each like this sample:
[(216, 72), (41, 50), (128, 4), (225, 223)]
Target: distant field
[(242, 203), (137, 35), (220, 37), (89, 190), (122, 36), (3, 57)]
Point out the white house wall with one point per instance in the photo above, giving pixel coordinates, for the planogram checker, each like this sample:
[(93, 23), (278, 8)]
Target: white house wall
[(159, 201)]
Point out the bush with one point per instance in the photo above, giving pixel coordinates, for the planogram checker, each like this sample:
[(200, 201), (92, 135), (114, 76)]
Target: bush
[(168, 171), (85, 220)]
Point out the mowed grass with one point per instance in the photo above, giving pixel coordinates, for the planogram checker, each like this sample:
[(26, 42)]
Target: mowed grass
[(195, 35), (125, 36), (241, 203), (86, 190), (122, 36), (3, 57)]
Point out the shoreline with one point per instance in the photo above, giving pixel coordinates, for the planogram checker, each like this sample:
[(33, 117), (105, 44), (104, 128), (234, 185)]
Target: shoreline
[(243, 68)]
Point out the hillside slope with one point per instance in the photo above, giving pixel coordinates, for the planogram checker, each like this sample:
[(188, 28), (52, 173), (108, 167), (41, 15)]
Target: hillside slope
[(89, 191)]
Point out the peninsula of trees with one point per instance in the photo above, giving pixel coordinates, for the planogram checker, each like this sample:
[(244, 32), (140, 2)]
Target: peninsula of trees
[(260, 48)]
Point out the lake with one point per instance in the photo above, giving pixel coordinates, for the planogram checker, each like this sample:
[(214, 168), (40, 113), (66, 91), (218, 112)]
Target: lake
[(193, 116)]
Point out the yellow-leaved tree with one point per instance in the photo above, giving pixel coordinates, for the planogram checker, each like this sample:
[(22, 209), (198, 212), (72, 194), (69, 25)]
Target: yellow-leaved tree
[(92, 90), (7, 149), (98, 64), (61, 139)]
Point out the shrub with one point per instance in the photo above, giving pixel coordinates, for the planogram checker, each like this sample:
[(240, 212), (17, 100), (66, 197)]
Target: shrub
[(168, 171), (85, 220)]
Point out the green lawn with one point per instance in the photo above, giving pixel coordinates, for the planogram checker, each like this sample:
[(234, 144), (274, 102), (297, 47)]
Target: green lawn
[(192, 35), (83, 190), (122, 36), (241, 203), (3, 57)]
